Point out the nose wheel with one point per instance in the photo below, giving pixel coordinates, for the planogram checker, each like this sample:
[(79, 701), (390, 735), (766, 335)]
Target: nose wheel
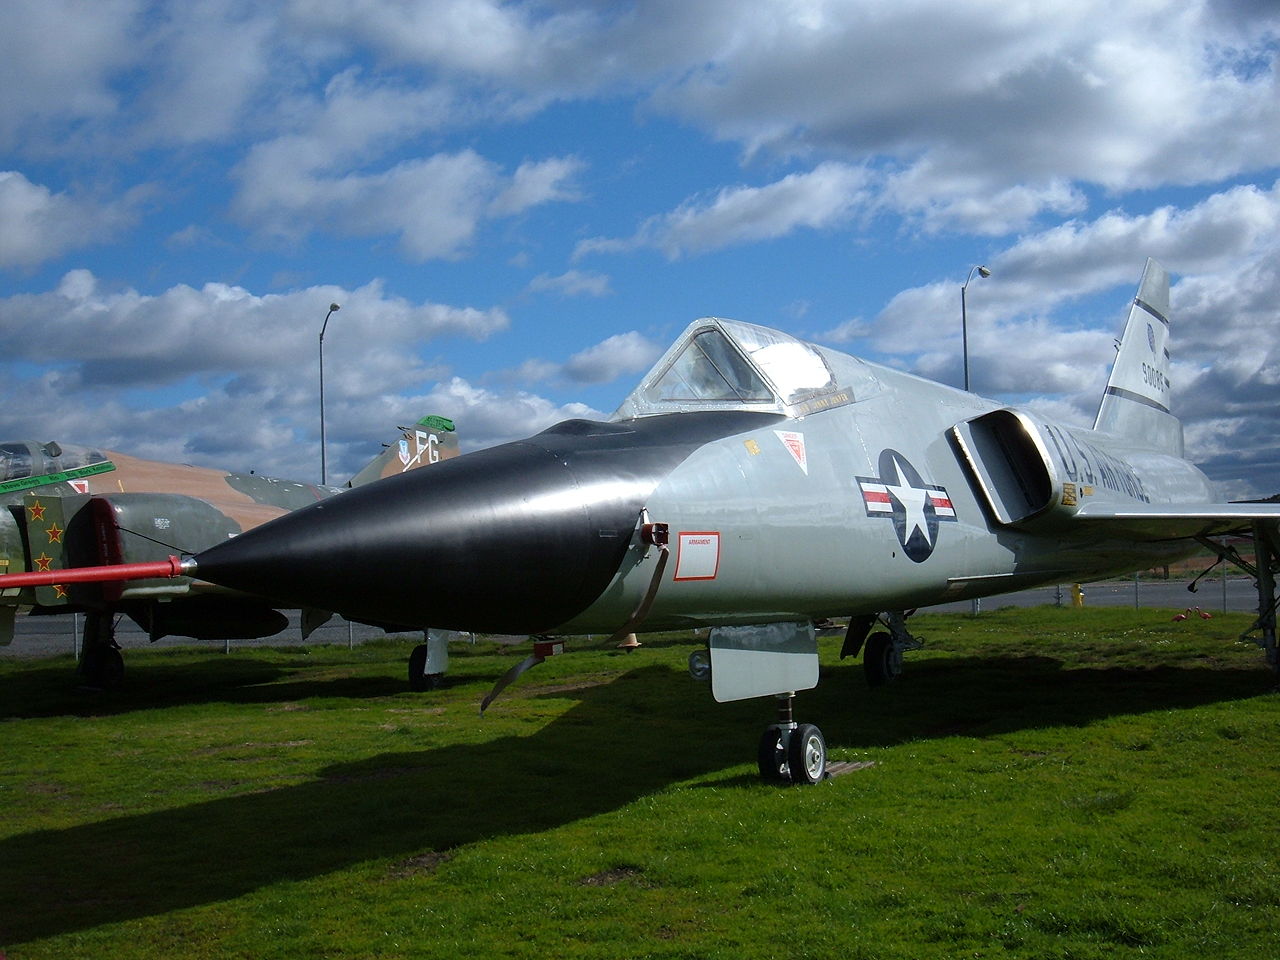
[(791, 752)]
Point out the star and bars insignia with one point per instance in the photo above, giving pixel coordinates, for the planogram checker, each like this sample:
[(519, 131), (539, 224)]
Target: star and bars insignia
[(916, 508)]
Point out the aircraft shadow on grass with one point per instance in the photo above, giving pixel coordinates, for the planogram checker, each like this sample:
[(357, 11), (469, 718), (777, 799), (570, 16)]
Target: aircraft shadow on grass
[(622, 740), (45, 692)]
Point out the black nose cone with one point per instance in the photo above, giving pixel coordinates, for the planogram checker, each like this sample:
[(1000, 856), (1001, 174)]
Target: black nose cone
[(512, 539)]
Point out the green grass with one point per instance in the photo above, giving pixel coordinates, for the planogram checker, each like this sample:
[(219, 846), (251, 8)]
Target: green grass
[(1046, 783)]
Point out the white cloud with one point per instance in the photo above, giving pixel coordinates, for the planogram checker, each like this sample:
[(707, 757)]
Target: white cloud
[(486, 417), (847, 331), (40, 225), (57, 60), (973, 203), (1209, 236), (1220, 236), (533, 370), (826, 196), (434, 205), (331, 172), (604, 362), (978, 116), (210, 61), (536, 183), (126, 339), (573, 283), (1225, 254), (230, 377), (983, 115), (629, 352), (540, 49)]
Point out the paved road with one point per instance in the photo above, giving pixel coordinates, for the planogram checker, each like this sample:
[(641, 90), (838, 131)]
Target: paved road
[(49, 636)]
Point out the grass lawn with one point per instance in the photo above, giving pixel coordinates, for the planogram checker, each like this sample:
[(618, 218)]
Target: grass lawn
[(1044, 783)]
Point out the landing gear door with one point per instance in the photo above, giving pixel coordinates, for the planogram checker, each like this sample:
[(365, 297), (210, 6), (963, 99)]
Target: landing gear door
[(763, 660)]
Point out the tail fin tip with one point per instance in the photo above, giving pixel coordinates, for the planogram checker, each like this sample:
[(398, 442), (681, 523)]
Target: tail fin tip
[(1136, 401)]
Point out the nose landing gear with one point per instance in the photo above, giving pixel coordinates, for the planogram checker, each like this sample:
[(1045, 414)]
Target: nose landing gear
[(791, 752)]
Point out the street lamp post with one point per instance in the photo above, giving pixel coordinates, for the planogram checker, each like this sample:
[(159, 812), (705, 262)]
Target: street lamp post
[(964, 318), (975, 605), (324, 467)]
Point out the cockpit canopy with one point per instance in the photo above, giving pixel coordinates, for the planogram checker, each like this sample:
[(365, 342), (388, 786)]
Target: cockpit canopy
[(21, 460), (728, 365)]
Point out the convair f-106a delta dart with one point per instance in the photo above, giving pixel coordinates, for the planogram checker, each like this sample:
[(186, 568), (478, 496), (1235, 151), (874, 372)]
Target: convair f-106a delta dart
[(755, 484)]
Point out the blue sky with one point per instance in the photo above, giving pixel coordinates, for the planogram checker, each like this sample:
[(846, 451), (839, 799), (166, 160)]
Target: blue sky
[(518, 205)]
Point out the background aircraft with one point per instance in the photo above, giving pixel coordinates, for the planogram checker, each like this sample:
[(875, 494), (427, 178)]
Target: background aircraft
[(68, 505), (756, 484)]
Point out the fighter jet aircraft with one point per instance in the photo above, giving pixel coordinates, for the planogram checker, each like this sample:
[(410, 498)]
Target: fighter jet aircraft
[(756, 484), (64, 505)]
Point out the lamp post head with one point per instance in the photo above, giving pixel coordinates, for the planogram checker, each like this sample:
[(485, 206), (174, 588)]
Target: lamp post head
[(334, 306), (980, 270), (983, 272), (325, 326)]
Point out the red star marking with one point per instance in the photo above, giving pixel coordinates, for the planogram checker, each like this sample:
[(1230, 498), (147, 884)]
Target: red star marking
[(37, 511), (55, 534), (59, 591), (43, 562)]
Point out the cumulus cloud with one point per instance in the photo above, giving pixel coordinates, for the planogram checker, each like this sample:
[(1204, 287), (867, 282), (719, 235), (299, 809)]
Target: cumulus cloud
[(536, 183), (533, 50), (225, 360), (329, 172), (486, 417), (130, 339), (211, 61), (1027, 337), (52, 85), (1000, 116), (1217, 237), (434, 205), (826, 196), (1009, 104), (572, 283), (629, 352), (40, 225), (604, 362)]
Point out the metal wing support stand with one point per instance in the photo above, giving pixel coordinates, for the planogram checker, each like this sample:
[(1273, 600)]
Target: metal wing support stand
[(1266, 550)]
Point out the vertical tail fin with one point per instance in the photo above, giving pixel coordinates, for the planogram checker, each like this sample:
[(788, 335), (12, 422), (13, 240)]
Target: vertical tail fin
[(1136, 402), (430, 440)]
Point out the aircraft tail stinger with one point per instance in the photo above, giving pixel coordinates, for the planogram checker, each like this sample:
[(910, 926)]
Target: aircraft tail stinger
[(1136, 402)]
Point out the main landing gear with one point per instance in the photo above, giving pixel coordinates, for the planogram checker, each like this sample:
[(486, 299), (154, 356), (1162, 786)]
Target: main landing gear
[(792, 752), (101, 663), (429, 662), (881, 651)]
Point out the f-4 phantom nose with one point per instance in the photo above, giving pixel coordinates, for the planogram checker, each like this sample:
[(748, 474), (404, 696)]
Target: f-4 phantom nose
[(517, 538)]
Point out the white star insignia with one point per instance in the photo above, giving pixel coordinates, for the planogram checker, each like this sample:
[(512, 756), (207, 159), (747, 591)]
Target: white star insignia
[(913, 500)]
